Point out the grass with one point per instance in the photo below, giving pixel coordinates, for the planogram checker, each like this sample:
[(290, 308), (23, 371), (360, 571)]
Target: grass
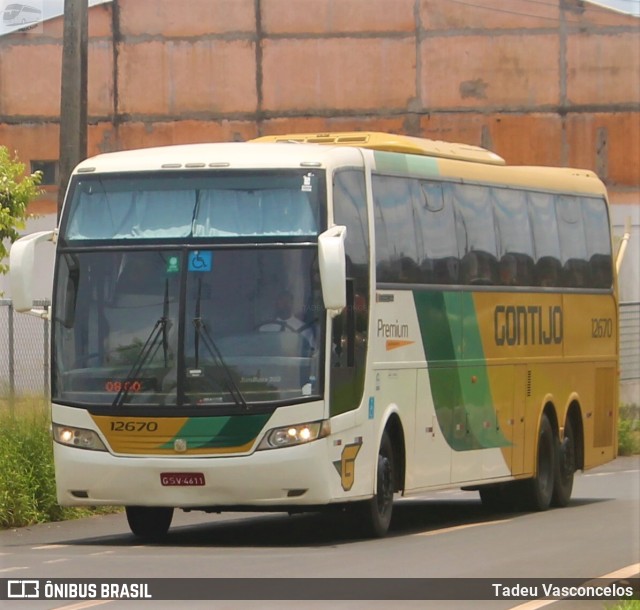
[(27, 483), (630, 604), (629, 430)]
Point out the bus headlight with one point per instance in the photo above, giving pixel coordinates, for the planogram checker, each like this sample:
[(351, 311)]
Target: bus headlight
[(298, 434), (77, 437)]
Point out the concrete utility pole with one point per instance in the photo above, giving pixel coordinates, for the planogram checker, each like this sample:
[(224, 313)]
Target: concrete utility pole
[(73, 94)]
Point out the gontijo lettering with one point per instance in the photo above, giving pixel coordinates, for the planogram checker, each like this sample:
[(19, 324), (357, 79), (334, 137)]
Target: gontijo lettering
[(528, 325)]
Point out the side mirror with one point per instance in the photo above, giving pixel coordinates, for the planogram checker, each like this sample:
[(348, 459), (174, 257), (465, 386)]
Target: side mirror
[(333, 274), (21, 268)]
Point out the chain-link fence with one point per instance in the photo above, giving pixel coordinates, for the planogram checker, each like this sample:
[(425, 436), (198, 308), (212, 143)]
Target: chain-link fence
[(24, 351), (25, 357)]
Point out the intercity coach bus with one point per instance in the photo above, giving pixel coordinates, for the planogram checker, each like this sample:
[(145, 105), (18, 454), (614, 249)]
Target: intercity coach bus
[(311, 321)]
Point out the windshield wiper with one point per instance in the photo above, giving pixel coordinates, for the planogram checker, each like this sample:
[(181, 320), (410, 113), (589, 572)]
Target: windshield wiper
[(202, 332), (151, 346)]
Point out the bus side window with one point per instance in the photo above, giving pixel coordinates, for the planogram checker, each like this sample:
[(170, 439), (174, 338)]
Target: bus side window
[(479, 263), (440, 262), (397, 256), (573, 245), (514, 237), (546, 240), (349, 329), (596, 227)]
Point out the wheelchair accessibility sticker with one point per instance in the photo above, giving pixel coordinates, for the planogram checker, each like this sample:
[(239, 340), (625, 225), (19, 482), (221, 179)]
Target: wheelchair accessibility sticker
[(200, 260)]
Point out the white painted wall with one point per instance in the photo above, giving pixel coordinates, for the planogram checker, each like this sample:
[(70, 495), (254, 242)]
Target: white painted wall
[(629, 280)]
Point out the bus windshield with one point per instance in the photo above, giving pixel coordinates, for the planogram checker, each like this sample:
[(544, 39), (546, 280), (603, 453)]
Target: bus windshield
[(183, 322), (181, 205)]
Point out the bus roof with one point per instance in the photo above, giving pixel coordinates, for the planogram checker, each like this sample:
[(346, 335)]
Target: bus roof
[(217, 155), (394, 143), (416, 156), (456, 161)]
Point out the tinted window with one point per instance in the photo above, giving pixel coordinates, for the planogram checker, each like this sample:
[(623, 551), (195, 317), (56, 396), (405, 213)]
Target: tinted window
[(515, 241), (349, 329), (476, 234), (445, 233), (596, 228), (397, 255), (573, 245), (350, 209), (440, 259), (545, 237)]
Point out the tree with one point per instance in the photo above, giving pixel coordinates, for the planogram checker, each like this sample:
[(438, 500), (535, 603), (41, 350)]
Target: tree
[(16, 191)]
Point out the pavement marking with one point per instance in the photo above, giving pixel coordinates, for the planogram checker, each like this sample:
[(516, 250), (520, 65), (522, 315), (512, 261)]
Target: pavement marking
[(88, 604), (461, 527), (626, 572), (14, 569), (55, 560), (49, 546), (606, 474)]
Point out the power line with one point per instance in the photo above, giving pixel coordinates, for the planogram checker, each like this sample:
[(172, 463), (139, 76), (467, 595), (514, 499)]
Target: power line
[(532, 16)]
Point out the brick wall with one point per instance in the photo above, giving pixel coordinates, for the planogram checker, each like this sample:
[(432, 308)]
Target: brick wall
[(553, 83)]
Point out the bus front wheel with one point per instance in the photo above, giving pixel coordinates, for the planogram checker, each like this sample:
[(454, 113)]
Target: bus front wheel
[(150, 523), (376, 513), (538, 491)]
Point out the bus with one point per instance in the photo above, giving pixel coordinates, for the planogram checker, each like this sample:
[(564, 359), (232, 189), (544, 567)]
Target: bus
[(20, 14), (309, 322)]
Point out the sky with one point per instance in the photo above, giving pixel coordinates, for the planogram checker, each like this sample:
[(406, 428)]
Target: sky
[(46, 9), (626, 6)]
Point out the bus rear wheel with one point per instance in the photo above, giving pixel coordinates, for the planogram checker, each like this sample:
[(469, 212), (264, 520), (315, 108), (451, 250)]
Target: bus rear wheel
[(150, 523), (565, 467), (538, 491), (375, 514)]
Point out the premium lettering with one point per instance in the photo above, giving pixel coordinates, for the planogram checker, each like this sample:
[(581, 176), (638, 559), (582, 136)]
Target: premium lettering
[(394, 330), (528, 325)]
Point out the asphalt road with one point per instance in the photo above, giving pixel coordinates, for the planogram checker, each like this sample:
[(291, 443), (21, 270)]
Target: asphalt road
[(439, 535)]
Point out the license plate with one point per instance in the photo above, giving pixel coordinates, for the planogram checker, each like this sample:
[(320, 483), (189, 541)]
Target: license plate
[(182, 479)]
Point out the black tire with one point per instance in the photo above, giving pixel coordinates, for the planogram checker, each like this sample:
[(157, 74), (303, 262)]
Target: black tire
[(150, 523), (375, 514), (538, 491), (565, 467)]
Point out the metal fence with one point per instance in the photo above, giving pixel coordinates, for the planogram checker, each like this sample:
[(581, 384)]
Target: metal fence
[(24, 351), (25, 357), (630, 341)]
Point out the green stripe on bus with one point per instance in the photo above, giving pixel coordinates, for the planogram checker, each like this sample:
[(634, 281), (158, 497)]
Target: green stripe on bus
[(416, 165), (461, 392), (219, 432)]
